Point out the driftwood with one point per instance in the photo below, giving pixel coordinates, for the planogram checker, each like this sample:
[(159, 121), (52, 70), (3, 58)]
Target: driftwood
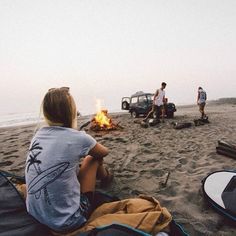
[(225, 152), (201, 121), (85, 125), (181, 125), (227, 144), (226, 148), (96, 127)]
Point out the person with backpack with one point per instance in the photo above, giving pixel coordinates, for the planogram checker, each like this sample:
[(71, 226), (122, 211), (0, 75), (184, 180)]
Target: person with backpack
[(201, 101), (60, 188)]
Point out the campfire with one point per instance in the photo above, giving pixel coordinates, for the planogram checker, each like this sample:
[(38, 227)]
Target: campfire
[(102, 121)]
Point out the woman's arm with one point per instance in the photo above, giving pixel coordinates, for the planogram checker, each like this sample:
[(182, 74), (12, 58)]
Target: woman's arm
[(98, 151)]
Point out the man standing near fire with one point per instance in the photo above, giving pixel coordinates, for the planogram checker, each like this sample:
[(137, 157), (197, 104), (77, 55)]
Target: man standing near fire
[(158, 103)]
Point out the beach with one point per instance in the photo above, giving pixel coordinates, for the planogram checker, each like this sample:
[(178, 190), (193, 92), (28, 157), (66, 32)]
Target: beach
[(141, 159)]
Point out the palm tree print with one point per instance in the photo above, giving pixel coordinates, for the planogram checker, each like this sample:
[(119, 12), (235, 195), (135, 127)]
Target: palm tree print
[(33, 157)]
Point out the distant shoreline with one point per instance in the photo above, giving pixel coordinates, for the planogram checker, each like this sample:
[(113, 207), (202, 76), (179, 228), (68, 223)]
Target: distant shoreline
[(35, 120)]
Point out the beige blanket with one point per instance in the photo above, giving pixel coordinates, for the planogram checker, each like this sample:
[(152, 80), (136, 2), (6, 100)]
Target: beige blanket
[(143, 213)]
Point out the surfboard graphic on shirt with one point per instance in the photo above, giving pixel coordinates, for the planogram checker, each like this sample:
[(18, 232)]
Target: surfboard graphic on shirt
[(45, 177)]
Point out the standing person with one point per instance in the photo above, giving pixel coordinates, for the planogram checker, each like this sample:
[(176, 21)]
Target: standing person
[(158, 103), (59, 190), (201, 101)]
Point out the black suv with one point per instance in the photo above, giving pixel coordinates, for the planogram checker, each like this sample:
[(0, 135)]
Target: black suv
[(140, 103)]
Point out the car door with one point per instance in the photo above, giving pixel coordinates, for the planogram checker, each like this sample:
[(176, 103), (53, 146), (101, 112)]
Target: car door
[(142, 104)]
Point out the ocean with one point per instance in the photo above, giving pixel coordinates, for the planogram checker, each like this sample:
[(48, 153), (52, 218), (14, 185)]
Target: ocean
[(16, 119)]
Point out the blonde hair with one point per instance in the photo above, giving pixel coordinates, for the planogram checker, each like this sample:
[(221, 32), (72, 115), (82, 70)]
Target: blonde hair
[(59, 108)]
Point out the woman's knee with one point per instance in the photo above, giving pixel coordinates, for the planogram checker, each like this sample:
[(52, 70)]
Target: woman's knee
[(89, 165), (89, 160)]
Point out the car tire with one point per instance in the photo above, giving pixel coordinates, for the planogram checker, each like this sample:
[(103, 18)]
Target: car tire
[(125, 105), (134, 114)]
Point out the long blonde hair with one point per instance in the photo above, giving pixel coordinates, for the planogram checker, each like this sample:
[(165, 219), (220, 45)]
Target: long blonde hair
[(59, 108)]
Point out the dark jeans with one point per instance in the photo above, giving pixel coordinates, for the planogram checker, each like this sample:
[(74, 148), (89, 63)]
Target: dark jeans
[(155, 110), (159, 111)]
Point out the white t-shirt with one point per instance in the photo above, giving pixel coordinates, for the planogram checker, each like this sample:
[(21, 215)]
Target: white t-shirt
[(53, 189), (159, 99)]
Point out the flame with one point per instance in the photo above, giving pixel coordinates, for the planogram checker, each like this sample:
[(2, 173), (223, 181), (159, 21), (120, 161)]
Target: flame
[(102, 119)]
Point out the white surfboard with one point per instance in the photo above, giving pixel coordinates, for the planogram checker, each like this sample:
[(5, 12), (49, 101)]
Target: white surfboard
[(220, 190)]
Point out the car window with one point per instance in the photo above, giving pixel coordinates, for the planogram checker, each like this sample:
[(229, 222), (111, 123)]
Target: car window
[(134, 100), (150, 97), (142, 99)]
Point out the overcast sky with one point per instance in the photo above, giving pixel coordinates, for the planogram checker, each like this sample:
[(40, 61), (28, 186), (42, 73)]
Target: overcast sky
[(106, 49)]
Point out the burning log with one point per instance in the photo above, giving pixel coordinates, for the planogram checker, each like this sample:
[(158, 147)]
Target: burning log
[(101, 122)]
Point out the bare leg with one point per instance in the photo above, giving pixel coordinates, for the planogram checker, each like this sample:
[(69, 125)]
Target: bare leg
[(150, 113), (201, 109), (89, 170)]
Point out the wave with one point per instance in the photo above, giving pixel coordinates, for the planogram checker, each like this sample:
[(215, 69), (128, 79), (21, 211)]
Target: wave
[(16, 119)]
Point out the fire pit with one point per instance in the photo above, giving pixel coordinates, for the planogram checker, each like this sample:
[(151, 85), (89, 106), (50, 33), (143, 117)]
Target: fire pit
[(102, 122)]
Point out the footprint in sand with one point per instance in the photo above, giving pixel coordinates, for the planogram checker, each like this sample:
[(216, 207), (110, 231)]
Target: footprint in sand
[(126, 174), (12, 156), (121, 140), (9, 153), (11, 139), (196, 157), (147, 144), (157, 172), (183, 161), (152, 160), (135, 192), (147, 151), (26, 143), (5, 163)]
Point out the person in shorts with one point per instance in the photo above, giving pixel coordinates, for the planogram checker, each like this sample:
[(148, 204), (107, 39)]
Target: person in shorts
[(158, 103), (201, 101), (62, 166)]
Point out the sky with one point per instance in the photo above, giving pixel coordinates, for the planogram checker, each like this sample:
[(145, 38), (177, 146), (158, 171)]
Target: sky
[(109, 49)]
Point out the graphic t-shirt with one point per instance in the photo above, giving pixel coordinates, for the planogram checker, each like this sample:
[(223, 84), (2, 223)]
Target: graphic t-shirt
[(202, 96), (159, 99), (53, 190)]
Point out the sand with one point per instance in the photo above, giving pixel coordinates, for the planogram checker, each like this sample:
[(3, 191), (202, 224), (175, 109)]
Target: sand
[(141, 158)]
